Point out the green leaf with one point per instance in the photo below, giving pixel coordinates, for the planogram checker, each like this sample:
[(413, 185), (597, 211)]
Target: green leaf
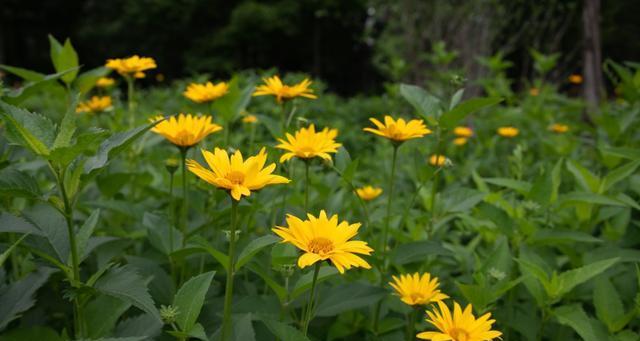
[(283, 331), (87, 80), (158, 232), (278, 289), (28, 75), (587, 180), (557, 236), (18, 296), (235, 101), (570, 279), (30, 130), (575, 317), (67, 126), (425, 104), (542, 189), (143, 325), (126, 284), (417, 251), (190, 298), (456, 98), (451, 118), (5, 255), (85, 142), (243, 328), (113, 146), (18, 95), (32, 333), (85, 232), (522, 187), (589, 198), (624, 152), (347, 297), (253, 248), (205, 246), (16, 183), (51, 225), (64, 57), (102, 313), (609, 308), (618, 175)]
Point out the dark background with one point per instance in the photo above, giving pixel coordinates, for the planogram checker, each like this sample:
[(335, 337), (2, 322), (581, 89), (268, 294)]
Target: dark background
[(353, 45)]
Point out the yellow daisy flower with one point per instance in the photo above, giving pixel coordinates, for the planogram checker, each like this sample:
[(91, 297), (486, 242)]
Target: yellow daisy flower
[(273, 86), (462, 326), (307, 144), (462, 131), (418, 289), (250, 119), (133, 66), (105, 82), (323, 238), (559, 128), (575, 79), (508, 131), (368, 193), (95, 104), (203, 93), (460, 141), (240, 177), (437, 160), (186, 130), (398, 130)]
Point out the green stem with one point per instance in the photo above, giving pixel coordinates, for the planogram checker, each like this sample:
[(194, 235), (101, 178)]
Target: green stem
[(306, 185), (411, 328), (363, 204), (226, 133), (130, 101), (73, 245), (228, 293), (434, 188), (309, 310), (184, 211), (385, 234), (252, 134), (171, 227)]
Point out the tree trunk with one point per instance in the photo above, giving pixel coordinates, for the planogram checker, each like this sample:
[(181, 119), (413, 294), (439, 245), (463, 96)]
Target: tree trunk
[(592, 57)]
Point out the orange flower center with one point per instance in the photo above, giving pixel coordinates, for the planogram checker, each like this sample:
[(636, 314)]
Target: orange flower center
[(416, 297), (459, 334), (235, 177), (320, 245), (394, 132)]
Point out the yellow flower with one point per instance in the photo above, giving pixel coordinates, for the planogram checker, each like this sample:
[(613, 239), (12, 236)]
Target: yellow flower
[(235, 175), (323, 238), (105, 82), (203, 93), (460, 141), (250, 119), (462, 131), (559, 128), (508, 132), (462, 326), (437, 160), (368, 193), (274, 86), (534, 92), (418, 289), (575, 79), (186, 130), (398, 130), (132, 66), (95, 105), (307, 144)]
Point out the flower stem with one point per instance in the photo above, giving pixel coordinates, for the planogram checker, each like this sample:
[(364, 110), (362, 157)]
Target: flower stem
[(306, 185), (434, 187), (228, 292), (130, 101), (309, 310), (184, 211), (385, 234), (411, 328)]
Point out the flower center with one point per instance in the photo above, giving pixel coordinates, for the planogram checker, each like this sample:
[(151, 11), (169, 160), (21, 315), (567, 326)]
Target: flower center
[(417, 297), (394, 132), (307, 151), (459, 334), (320, 245), (235, 177)]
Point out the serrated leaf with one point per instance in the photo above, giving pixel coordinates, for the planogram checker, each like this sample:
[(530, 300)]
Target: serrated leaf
[(575, 317), (609, 308), (587, 180), (31, 130), (85, 142), (125, 283), (64, 57), (570, 279), (190, 299), (143, 325), (18, 297), (159, 233), (253, 248), (113, 146), (85, 232), (102, 313), (19, 184), (67, 127), (451, 118), (426, 105)]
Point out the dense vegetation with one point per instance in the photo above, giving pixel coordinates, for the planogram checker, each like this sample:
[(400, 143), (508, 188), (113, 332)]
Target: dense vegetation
[(522, 204)]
